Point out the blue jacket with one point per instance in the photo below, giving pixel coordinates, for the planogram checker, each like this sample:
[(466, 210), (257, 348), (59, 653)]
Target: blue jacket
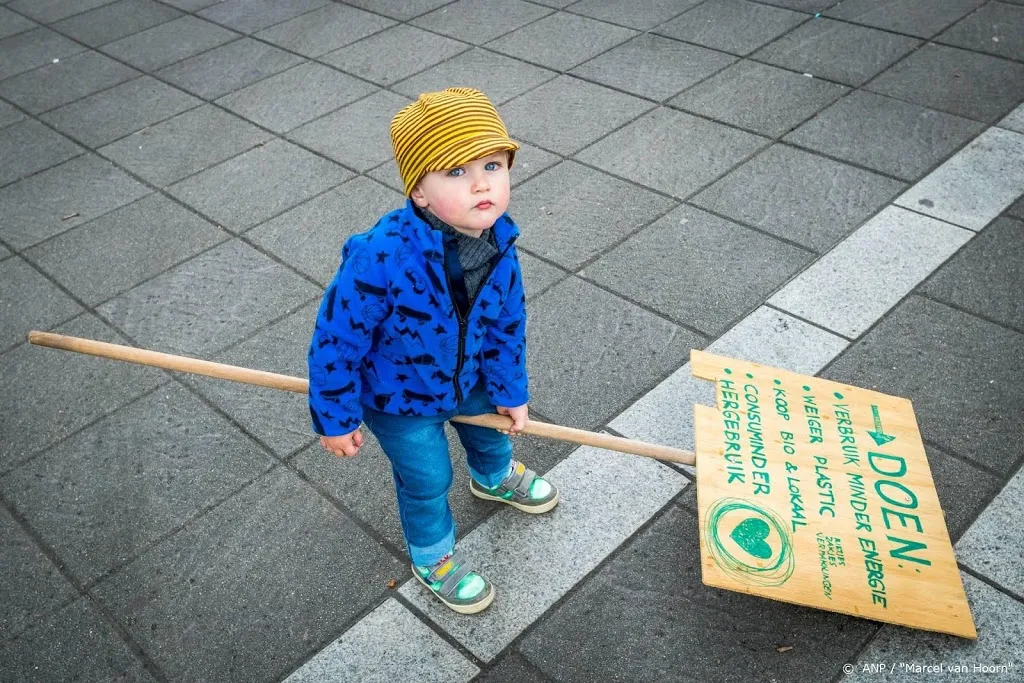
[(388, 334)]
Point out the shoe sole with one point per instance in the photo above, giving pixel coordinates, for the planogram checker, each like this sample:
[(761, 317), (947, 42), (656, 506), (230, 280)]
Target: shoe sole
[(529, 509), (461, 609)]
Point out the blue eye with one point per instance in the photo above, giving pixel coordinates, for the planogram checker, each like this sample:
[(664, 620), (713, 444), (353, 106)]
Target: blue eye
[(492, 165), (455, 172)]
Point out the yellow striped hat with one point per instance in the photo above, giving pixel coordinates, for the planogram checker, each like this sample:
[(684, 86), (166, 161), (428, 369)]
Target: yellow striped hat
[(446, 129)]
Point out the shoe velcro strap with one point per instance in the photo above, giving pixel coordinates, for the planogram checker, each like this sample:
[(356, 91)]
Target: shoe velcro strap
[(518, 482), (445, 569), (452, 580)]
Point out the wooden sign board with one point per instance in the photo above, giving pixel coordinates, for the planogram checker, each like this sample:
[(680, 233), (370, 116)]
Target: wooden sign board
[(819, 494)]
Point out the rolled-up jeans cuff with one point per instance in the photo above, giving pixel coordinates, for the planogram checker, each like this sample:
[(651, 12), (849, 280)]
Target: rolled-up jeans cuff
[(490, 480), (425, 556)]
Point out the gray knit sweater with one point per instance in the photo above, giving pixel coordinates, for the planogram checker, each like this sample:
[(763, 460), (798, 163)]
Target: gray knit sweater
[(475, 253)]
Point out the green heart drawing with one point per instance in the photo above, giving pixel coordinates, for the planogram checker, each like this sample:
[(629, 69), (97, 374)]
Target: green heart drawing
[(750, 534)]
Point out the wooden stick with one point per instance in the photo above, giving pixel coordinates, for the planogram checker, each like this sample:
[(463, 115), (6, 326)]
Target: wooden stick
[(301, 386)]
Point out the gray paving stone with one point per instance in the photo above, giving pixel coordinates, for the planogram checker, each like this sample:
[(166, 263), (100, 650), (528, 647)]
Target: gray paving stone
[(803, 5), (976, 184), (958, 371), (885, 134), (802, 197), (529, 162), (362, 58), (993, 540), (357, 135), (228, 68), (9, 115), (653, 67), (31, 585), (68, 80), (29, 147), (248, 590), (671, 151), (922, 18), (603, 211), (309, 237), (1017, 210), (964, 489), (501, 78), (985, 276), (78, 389), (328, 28), (996, 28), (1000, 623), (1014, 120), (217, 298), (558, 4), (538, 276), (561, 41), (761, 98), (49, 11), (4, 253), (191, 5), (167, 43), (259, 184), (608, 349), (133, 243), (567, 114), (76, 643), (649, 601), (111, 114), (12, 23), (30, 49), (185, 144), (606, 497), (114, 21), (478, 21), (838, 51), (956, 81), (902, 247), (735, 26), (643, 15), (42, 206), (402, 10), (108, 493), (388, 644), (513, 667), (387, 174), (711, 248), (249, 16), (22, 283)]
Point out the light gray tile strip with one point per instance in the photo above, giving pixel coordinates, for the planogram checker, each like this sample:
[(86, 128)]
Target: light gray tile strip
[(388, 644), (1015, 120), (993, 546)]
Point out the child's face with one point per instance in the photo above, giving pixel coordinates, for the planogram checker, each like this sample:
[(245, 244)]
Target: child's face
[(470, 197)]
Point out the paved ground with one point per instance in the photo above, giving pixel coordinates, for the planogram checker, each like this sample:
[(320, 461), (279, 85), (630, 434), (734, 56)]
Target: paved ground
[(837, 194)]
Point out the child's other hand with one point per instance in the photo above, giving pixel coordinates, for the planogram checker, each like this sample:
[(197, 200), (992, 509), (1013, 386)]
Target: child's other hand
[(519, 416), (345, 445)]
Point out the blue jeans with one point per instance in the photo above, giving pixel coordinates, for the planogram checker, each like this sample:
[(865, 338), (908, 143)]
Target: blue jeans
[(418, 450)]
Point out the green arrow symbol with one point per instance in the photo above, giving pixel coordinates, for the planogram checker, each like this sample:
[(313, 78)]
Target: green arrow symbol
[(880, 437)]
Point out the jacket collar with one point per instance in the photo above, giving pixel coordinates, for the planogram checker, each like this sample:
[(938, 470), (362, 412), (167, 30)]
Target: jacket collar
[(505, 230)]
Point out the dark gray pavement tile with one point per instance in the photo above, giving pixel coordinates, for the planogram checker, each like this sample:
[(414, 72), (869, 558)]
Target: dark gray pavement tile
[(28, 147), (68, 80), (922, 18), (30, 49), (185, 144), (21, 284), (363, 58), (191, 5), (253, 588), (985, 275), (889, 135), (606, 349), (133, 243), (259, 184), (992, 542), (3, 252), (512, 667), (760, 98), (325, 29), (529, 162), (309, 237), (838, 51), (9, 115), (959, 371), (956, 81), (561, 41), (30, 585), (735, 26), (68, 390), (803, 5), (248, 16), (802, 197), (642, 16), (500, 77), (478, 21), (402, 10), (964, 489), (168, 43), (110, 491), (687, 253), (116, 20), (567, 114), (106, 116), (1017, 210), (203, 305), (649, 602), (229, 67), (653, 67), (12, 23), (538, 275), (56, 200), (74, 644), (602, 210), (671, 151), (296, 96), (996, 28), (49, 11), (357, 135)]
